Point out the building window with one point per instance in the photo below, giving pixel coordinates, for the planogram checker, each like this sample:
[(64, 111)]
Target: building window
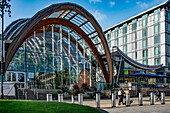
[(116, 36), (144, 43), (108, 36), (8, 76), (168, 50), (168, 16), (156, 29), (124, 39), (156, 16), (144, 33), (116, 42), (125, 49), (168, 28), (157, 61), (157, 51), (13, 76), (144, 20), (168, 61), (168, 39), (124, 29), (145, 62), (145, 54), (156, 39), (134, 25)]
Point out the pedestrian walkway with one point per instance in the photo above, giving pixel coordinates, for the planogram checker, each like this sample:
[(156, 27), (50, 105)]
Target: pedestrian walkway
[(106, 103), (140, 109)]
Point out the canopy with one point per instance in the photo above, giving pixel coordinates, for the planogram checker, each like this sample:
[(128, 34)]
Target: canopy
[(148, 75)]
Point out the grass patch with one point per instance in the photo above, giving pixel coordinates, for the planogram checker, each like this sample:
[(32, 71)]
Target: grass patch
[(17, 106)]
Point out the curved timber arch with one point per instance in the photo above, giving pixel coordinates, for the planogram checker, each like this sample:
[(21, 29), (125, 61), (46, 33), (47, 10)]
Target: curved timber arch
[(44, 14)]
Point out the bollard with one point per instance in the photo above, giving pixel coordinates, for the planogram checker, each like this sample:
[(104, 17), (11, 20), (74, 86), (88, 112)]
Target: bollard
[(26, 95), (37, 95), (127, 99), (80, 98), (98, 100), (72, 98), (49, 97), (113, 100), (162, 98), (140, 99), (60, 97), (152, 98)]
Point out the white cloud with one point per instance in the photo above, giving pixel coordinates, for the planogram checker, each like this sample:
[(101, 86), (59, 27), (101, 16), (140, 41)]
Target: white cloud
[(112, 4), (127, 1), (142, 5), (99, 16), (94, 1)]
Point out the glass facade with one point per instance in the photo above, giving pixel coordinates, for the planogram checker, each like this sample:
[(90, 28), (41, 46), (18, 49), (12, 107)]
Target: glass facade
[(145, 38), (116, 35), (53, 57), (125, 38)]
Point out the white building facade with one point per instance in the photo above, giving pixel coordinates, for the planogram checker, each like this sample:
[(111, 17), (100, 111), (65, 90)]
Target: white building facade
[(145, 37)]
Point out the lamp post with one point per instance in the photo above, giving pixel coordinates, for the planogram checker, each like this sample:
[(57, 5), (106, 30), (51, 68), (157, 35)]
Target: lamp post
[(4, 6)]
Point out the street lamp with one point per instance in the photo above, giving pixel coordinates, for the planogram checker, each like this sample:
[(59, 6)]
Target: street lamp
[(4, 6)]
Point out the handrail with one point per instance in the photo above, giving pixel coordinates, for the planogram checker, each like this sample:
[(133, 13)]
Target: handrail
[(10, 90)]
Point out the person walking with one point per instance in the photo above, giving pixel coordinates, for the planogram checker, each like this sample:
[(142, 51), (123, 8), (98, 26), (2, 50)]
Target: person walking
[(120, 96), (158, 94)]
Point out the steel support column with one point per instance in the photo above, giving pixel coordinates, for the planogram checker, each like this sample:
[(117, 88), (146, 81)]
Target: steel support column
[(61, 49), (44, 55), (53, 52)]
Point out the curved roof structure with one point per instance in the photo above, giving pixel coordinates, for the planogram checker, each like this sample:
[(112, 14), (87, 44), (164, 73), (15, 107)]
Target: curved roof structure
[(65, 14), (118, 52)]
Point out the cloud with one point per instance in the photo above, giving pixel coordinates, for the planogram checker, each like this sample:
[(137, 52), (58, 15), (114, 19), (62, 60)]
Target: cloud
[(112, 4), (142, 5), (127, 1), (99, 16), (146, 5), (94, 1)]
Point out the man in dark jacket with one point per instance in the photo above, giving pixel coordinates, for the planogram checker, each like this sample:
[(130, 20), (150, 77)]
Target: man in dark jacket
[(120, 96)]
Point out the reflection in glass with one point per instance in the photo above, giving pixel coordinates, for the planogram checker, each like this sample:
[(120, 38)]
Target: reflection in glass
[(21, 77), (13, 76), (9, 76)]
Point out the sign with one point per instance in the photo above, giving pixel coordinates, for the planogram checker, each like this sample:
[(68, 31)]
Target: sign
[(126, 72)]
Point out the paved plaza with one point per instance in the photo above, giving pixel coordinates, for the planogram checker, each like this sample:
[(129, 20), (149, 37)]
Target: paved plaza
[(134, 107), (140, 109)]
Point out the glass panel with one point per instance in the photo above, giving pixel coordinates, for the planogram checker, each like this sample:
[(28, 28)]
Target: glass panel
[(13, 76), (168, 50), (156, 39), (168, 16), (168, 39), (156, 29), (21, 77), (157, 51), (145, 53), (168, 28), (124, 39), (8, 76), (145, 62), (144, 33), (124, 29), (144, 43), (125, 48), (144, 20), (157, 61)]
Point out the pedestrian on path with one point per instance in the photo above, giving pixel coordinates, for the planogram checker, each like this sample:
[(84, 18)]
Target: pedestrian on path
[(120, 96)]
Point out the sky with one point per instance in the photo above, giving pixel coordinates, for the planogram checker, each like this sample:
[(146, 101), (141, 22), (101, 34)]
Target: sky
[(107, 12)]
